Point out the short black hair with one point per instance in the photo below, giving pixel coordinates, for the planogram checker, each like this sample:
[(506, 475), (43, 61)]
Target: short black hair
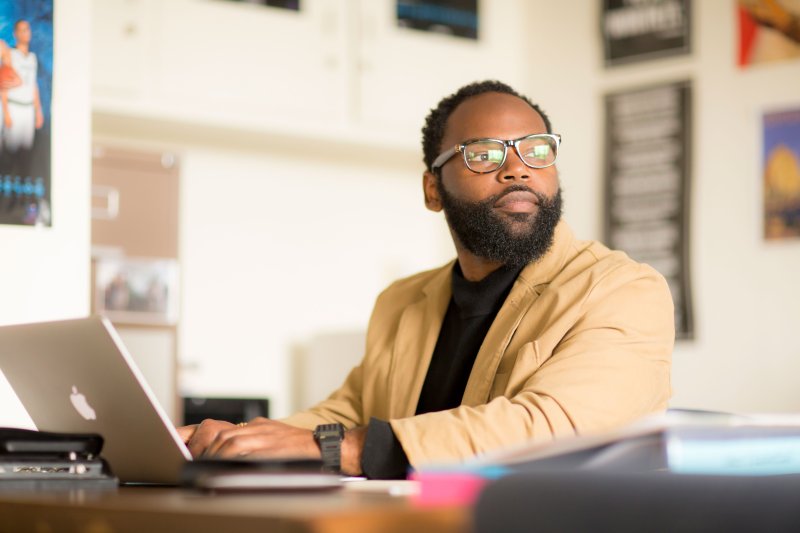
[(435, 122)]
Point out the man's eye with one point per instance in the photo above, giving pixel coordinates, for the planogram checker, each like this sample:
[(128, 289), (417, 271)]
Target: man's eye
[(485, 155), (538, 152)]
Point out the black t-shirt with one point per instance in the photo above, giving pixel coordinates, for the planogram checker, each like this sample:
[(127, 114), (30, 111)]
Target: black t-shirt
[(469, 315)]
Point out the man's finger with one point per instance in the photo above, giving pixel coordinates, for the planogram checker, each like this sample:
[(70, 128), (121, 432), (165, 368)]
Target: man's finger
[(186, 432), (237, 445), (205, 434)]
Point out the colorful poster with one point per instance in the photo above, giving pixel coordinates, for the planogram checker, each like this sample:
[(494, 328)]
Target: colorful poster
[(26, 74), (782, 174), (450, 17), (648, 155), (639, 30), (769, 30)]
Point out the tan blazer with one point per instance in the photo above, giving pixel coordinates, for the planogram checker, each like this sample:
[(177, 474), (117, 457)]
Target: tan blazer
[(582, 343)]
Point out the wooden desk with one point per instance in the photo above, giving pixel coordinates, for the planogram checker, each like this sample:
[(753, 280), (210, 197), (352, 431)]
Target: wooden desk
[(154, 509)]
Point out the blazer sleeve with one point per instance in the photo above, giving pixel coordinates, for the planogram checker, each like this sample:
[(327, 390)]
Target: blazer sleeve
[(610, 366)]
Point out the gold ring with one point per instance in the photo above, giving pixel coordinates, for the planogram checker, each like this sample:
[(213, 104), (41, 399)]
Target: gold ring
[(241, 424)]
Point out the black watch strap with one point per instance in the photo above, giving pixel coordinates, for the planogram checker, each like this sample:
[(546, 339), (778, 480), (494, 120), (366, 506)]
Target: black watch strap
[(329, 437)]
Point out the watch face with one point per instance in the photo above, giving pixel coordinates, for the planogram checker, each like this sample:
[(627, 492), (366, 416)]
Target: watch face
[(329, 431)]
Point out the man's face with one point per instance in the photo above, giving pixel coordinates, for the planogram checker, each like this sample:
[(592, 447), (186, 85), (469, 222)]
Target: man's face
[(22, 33), (508, 215)]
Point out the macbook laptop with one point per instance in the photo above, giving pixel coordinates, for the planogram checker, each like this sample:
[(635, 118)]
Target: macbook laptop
[(76, 376)]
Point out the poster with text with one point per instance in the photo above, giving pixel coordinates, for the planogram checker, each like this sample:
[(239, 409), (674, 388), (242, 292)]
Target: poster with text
[(769, 30), (639, 30), (781, 173), (647, 177), (26, 76)]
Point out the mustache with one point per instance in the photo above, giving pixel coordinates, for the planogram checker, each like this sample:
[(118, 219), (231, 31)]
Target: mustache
[(516, 188)]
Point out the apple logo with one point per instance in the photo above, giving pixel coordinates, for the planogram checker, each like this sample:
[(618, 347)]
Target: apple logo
[(81, 405)]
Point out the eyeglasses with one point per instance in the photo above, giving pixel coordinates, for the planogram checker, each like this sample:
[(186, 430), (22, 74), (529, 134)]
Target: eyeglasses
[(487, 155)]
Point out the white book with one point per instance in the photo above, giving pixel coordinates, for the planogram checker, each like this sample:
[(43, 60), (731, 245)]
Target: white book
[(677, 441)]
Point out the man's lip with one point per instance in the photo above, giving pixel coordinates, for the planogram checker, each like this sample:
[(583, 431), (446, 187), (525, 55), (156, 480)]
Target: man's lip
[(520, 201)]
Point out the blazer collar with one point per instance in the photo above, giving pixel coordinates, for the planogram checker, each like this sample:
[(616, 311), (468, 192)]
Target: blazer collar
[(544, 270), (421, 322), (417, 333), (523, 294)]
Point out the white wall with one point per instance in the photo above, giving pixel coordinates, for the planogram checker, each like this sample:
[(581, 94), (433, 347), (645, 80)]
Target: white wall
[(746, 355), (299, 245), (44, 274), (279, 243)]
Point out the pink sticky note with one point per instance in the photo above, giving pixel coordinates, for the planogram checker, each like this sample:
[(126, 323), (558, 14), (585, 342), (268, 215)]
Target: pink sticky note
[(447, 488)]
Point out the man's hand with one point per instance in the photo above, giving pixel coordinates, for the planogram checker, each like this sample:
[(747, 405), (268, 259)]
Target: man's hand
[(265, 438), (261, 437)]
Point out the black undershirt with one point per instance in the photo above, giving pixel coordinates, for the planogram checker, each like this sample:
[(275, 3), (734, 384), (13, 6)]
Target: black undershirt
[(469, 315)]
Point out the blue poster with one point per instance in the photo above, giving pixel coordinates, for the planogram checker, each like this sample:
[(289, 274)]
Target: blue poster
[(26, 83)]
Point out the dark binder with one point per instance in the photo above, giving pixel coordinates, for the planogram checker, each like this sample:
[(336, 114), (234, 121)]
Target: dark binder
[(45, 460)]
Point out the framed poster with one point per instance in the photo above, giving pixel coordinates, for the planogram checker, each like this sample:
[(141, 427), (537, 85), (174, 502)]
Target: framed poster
[(26, 79), (769, 30), (293, 5), (449, 17), (137, 291), (647, 177), (781, 174), (639, 30)]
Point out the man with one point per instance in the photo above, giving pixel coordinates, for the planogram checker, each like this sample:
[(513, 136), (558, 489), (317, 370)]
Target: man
[(530, 334), (21, 105), (8, 80)]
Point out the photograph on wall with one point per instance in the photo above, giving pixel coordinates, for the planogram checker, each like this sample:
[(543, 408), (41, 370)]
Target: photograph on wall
[(769, 30), (137, 290), (781, 171), (448, 17), (640, 30), (647, 179), (26, 81)]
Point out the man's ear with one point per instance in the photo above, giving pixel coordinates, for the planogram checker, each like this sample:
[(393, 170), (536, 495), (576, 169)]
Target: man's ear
[(432, 199)]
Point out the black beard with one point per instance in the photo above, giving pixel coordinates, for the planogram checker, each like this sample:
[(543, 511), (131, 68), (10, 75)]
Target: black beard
[(516, 242)]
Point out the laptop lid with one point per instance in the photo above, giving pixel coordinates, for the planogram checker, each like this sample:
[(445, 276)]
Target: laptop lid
[(77, 376)]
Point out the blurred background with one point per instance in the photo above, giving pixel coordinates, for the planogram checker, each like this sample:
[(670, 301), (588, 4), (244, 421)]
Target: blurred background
[(233, 184)]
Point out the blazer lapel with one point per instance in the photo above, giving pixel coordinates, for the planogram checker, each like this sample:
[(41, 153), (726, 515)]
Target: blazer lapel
[(417, 333), (522, 296), (495, 344)]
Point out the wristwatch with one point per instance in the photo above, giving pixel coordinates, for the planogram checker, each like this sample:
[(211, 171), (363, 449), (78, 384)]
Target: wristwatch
[(329, 437)]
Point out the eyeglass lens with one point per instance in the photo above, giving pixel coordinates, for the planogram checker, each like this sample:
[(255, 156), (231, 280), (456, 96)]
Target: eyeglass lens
[(485, 156)]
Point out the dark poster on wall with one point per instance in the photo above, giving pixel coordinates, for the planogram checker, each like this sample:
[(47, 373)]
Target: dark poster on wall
[(26, 79), (647, 176), (449, 17), (638, 30), (293, 5)]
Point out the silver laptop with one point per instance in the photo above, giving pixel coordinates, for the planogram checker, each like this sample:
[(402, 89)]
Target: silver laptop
[(76, 376)]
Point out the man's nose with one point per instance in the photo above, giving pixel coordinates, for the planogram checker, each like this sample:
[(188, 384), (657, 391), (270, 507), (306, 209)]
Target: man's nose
[(513, 169)]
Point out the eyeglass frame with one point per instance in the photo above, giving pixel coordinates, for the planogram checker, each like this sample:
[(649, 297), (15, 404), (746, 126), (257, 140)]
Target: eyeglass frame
[(448, 154)]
